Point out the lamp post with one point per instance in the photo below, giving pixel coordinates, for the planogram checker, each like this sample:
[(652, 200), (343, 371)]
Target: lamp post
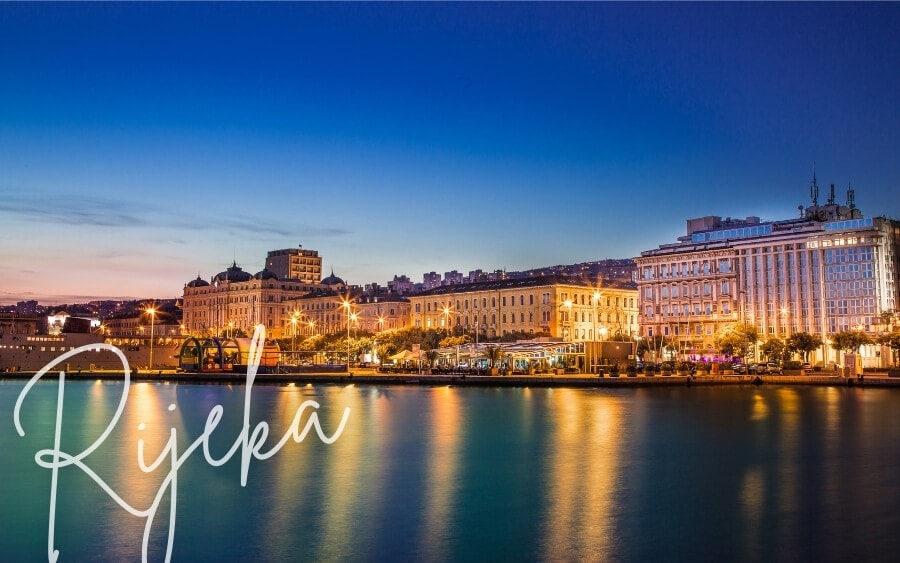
[(294, 337), (446, 312), (346, 304), (152, 312), (596, 299)]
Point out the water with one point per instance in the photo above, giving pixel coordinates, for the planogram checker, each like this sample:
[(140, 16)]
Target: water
[(462, 474)]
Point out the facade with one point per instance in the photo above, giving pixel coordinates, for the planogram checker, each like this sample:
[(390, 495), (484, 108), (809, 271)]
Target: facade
[(567, 308), (295, 264), (828, 271), (383, 312), (328, 311), (235, 299)]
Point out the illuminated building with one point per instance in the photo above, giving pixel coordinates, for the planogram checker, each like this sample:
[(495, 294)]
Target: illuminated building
[(829, 270), (235, 299), (295, 264), (568, 308)]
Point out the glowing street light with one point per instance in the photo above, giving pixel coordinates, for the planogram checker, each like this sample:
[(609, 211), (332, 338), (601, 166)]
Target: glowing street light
[(596, 299), (152, 312), (346, 303), (294, 335), (568, 305), (446, 312)]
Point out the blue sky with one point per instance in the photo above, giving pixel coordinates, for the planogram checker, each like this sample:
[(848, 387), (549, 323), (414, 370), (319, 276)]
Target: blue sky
[(144, 144)]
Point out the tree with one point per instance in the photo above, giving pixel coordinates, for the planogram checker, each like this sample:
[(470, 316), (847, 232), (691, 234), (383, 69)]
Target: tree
[(385, 350), (493, 355), (774, 349), (431, 357), (737, 340), (451, 341), (887, 318), (892, 340), (804, 343), (655, 344), (850, 340)]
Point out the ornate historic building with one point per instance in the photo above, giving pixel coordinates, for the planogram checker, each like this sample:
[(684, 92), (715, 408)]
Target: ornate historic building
[(235, 299)]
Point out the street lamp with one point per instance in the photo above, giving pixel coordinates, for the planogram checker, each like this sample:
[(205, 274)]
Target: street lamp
[(346, 304), (596, 299), (152, 312), (568, 305), (446, 312), (294, 337)]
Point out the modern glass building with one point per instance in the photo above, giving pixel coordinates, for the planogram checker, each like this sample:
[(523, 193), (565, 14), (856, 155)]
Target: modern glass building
[(827, 271)]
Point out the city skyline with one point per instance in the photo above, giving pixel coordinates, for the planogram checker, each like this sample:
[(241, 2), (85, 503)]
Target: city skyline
[(143, 145)]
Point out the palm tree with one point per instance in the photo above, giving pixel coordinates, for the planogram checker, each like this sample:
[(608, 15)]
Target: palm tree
[(493, 355)]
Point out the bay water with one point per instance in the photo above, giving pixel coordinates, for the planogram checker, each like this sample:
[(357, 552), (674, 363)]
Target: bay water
[(428, 473)]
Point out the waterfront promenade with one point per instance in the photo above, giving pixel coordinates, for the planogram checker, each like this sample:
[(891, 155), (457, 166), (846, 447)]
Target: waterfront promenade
[(372, 377)]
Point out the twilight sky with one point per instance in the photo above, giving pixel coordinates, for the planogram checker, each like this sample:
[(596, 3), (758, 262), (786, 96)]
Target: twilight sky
[(144, 144)]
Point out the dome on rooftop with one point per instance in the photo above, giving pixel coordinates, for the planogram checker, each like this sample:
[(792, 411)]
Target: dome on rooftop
[(234, 273), (199, 282), (265, 275), (333, 280)]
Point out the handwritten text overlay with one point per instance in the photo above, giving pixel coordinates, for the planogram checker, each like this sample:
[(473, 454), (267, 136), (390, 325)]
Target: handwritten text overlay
[(251, 444)]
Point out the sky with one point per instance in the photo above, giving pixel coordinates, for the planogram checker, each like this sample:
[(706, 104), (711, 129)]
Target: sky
[(142, 145)]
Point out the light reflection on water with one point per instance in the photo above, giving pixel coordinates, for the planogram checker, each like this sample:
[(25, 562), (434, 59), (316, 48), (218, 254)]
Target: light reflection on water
[(456, 474)]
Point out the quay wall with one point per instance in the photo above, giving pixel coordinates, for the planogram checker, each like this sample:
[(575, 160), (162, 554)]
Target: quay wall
[(572, 380)]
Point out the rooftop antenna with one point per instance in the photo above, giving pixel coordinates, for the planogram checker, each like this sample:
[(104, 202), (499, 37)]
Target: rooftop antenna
[(814, 188), (851, 197), (831, 196)]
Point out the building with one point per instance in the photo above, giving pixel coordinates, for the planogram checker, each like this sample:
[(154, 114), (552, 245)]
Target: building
[(827, 271), (330, 308), (295, 264), (401, 285), (453, 277), (431, 280), (567, 308), (235, 299), (323, 310), (382, 312)]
